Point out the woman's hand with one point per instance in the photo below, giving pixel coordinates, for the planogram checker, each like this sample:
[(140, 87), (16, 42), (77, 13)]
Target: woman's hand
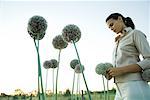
[(115, 71), (108, 77)]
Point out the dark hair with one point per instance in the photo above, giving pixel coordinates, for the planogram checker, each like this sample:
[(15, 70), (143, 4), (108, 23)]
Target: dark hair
[(128, 21)]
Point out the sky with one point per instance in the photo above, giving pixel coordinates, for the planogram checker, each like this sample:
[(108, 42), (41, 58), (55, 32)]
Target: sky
[(18, 59)]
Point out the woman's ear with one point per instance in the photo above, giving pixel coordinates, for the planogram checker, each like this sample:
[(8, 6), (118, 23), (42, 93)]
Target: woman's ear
[(120, 18)]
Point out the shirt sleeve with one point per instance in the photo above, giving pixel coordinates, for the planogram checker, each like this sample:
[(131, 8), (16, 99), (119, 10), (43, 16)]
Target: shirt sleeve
[(143, 47)]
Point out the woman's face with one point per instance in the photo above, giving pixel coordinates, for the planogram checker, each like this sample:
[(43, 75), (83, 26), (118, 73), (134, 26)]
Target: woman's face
[(116, 25)]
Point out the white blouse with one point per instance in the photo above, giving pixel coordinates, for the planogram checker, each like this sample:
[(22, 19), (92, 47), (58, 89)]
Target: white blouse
[(127, 51)]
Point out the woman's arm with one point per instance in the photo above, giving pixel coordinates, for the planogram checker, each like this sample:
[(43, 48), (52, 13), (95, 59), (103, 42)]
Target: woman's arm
[(143, 47), (124, 70)]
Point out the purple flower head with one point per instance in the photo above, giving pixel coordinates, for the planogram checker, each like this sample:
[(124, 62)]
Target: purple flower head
[(102, 68), (108, 65), (78, 68), (59, 43), (37, 26), (54, 63), (73, 63), (36, 36), (47, 64), (71, 32)]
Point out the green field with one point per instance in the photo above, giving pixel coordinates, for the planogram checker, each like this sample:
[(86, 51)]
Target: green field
[(95, 96)]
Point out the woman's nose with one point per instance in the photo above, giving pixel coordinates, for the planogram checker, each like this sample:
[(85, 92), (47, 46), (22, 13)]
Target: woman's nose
[(111, 28)]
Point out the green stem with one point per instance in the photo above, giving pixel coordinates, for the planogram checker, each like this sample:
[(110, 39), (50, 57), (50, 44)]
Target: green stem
[(73, 86), (82, 71), (39, 96), (46, 80), (107, 90), (53, 83), (104, 87), (57, 74), (77, 92), (79, 87), (40, 83)]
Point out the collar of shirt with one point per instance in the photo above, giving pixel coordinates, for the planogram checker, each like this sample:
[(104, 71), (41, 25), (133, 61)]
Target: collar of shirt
[(124, 33), (126, 30)]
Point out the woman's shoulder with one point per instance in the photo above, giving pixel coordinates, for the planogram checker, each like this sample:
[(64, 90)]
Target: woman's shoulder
[(138, 33)]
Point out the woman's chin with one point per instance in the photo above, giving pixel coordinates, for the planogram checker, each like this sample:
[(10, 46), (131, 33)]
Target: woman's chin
[(117, 32)]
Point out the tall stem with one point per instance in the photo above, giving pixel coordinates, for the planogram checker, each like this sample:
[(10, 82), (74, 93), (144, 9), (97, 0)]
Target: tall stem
[(40, 83), (79, 95), (73, 86), (77, 92), (79, 87), (82, 71), (53, 83), (107, 90), (39, 95), (104, 87), (57, 74), (46, 80)]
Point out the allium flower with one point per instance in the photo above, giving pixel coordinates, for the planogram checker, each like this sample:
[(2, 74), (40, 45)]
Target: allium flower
[(54, 63), (59, 43), (37, 26), (108, 65), (71, 32), (146, 75), (102, 68), (47, 64), (73, 63), (78, 68), (38, 36)]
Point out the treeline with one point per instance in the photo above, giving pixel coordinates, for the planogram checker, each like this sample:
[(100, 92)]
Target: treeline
[(66, 95)]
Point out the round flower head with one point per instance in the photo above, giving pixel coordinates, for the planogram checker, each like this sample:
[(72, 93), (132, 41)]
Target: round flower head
[(73, 63), (71, 32), (37, 26), (54, 63), (59, 43), (78, 69), (47, 64), (146, 75), (108, 65), (36, 36), (102, 68)]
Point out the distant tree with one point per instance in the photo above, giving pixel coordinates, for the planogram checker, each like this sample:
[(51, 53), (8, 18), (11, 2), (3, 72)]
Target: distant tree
[(82, 94), (113, 90), (19, 92), (67, 93), (31, 96), (3, 94)]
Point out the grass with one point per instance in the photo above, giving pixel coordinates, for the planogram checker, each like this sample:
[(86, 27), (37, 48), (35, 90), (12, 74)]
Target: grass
[(95, 96)]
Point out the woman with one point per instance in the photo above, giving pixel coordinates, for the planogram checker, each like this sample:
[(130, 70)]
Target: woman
[(127, 70)]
